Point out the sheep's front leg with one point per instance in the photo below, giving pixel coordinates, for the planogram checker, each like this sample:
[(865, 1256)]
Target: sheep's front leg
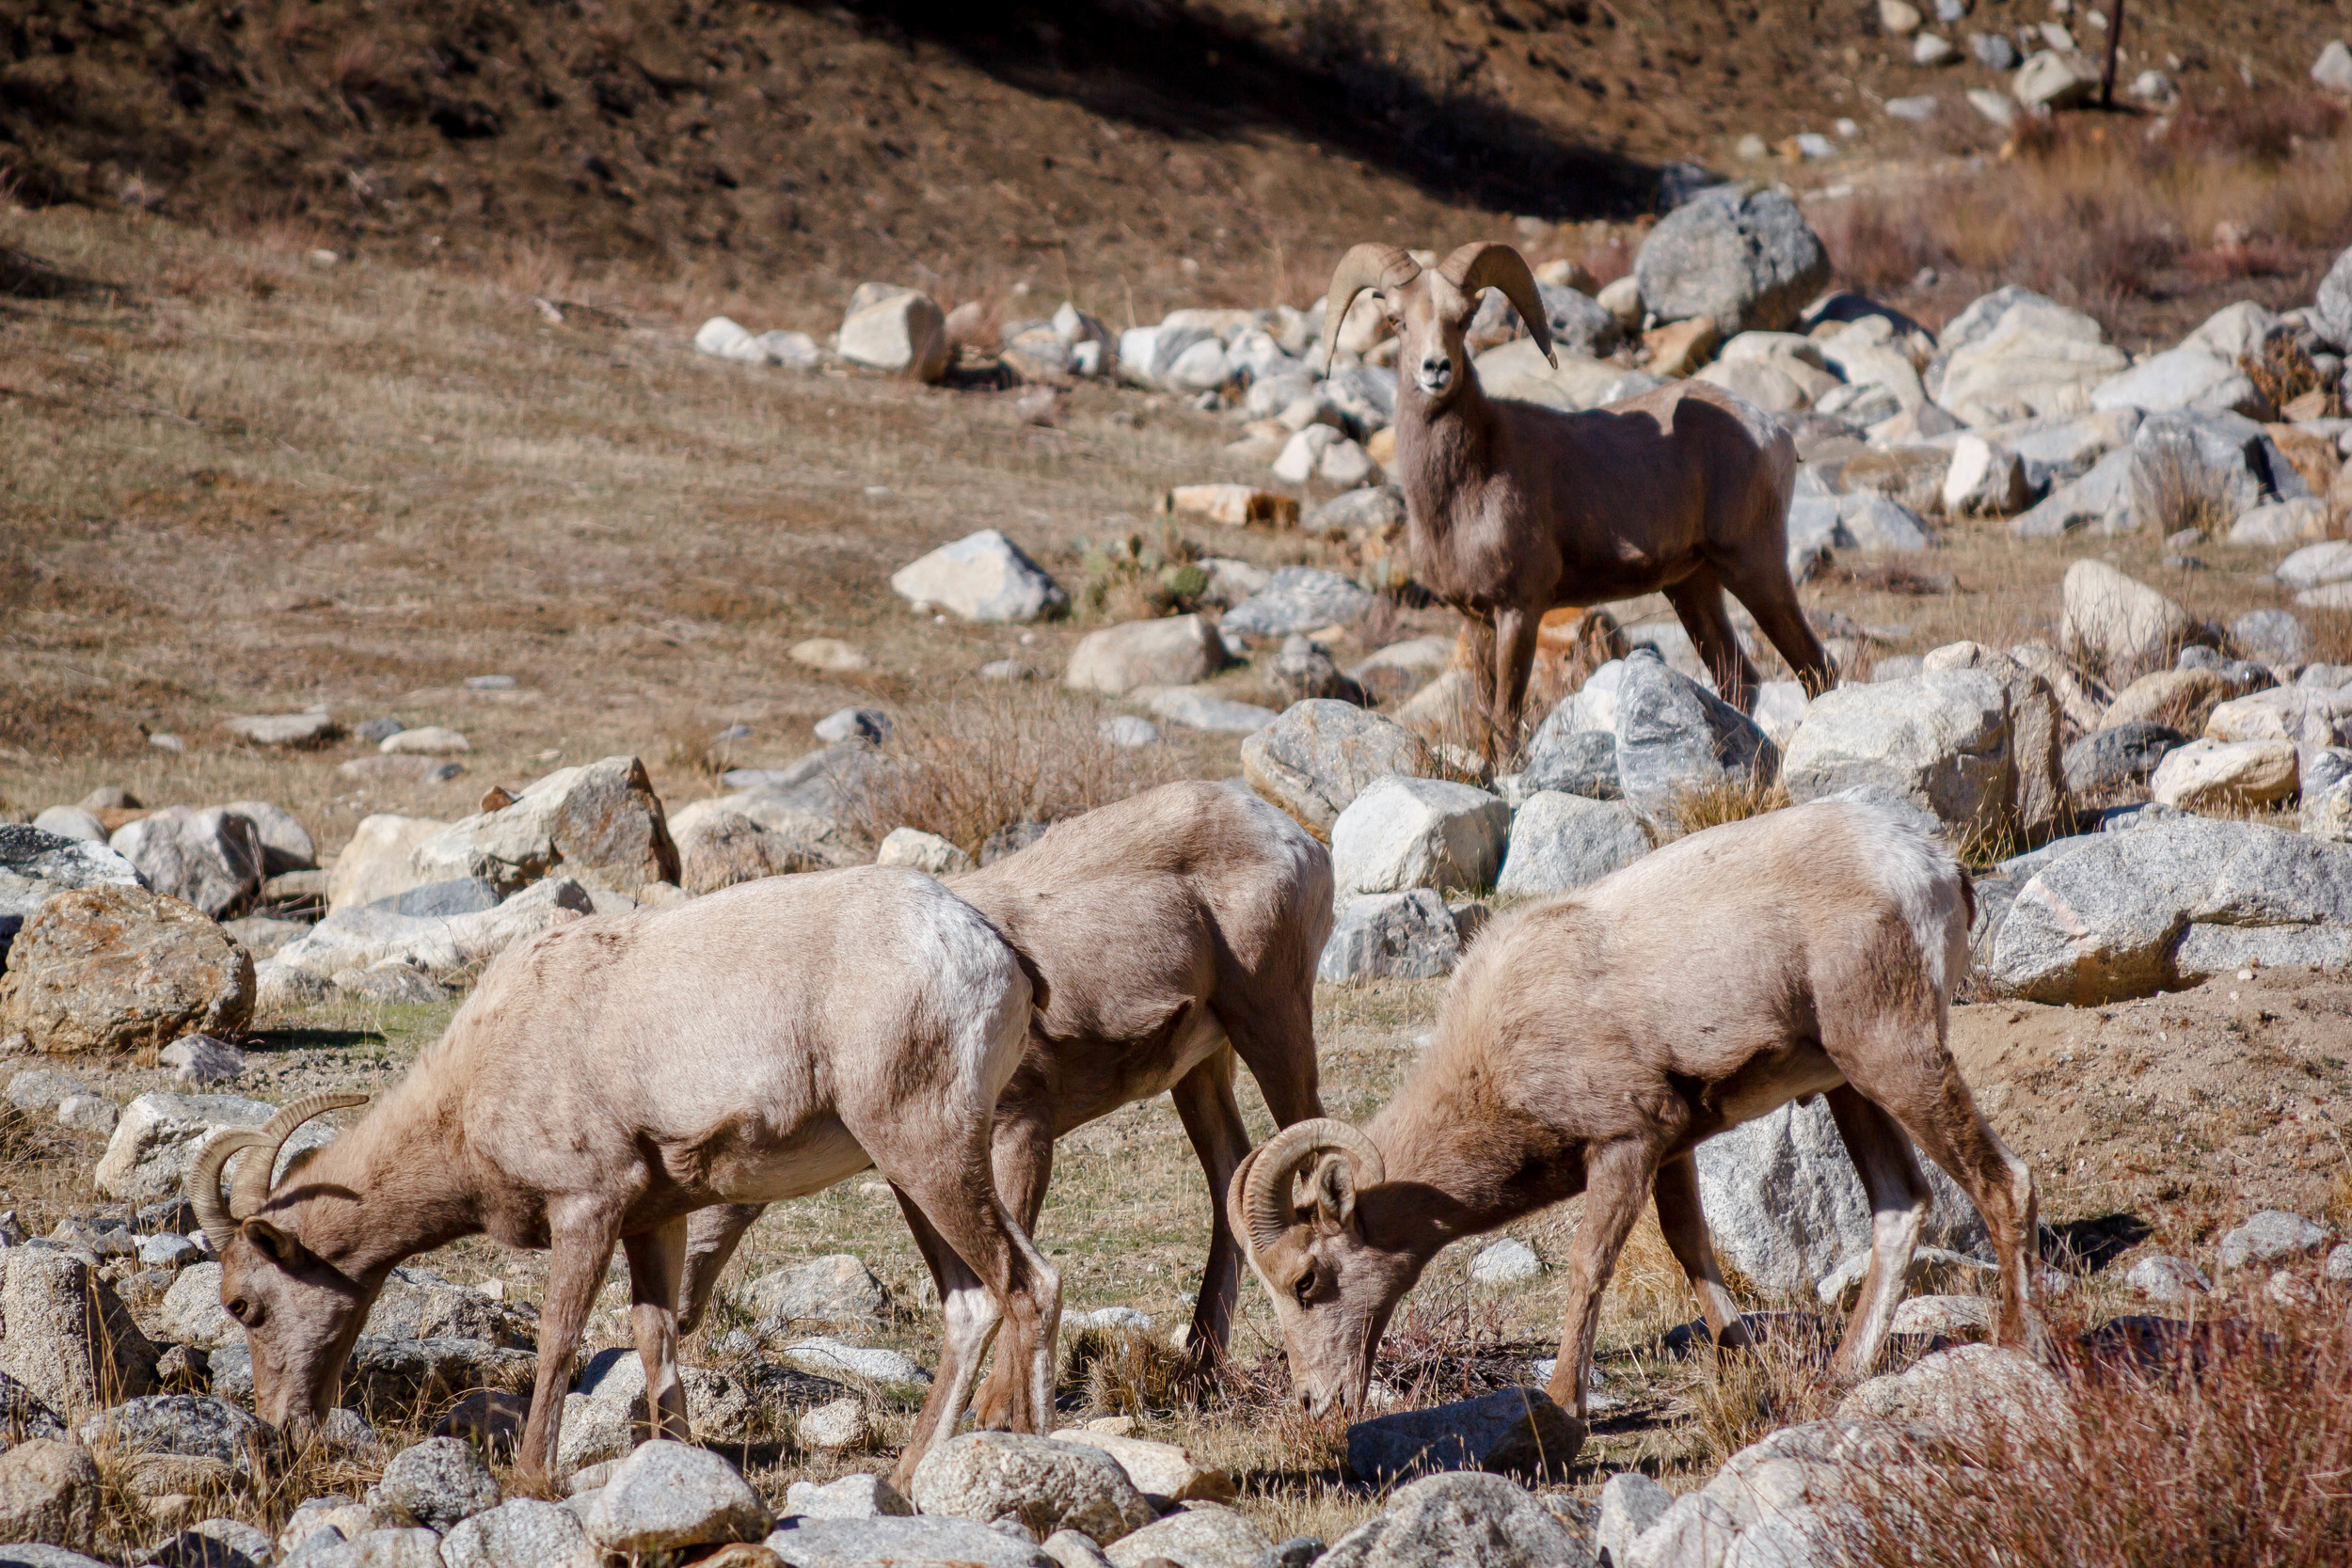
[(656, 1258), (581, 1247), (1514, 659), (711, 1237), (1617, 1179)]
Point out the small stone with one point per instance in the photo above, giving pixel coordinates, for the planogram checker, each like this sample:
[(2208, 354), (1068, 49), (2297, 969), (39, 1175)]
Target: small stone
[(294, 731), (981, 576), (1631, 1503), (1516, 1429), (2338, 1270), (1177, 650), (832, 1426), (857, 1496), (1561, 842), (1508, 1262), (2171, 1281), (912, 847), (1127, 731), (829, 654), (195, 1426), (202, 1060), (524, 1533), (1203, 1535), (2267, 1237), (1044, 1485), (870, 725), (1404, 833), (838, 1288), (821, 1354), (1318, 756), (432, 740), (667, 1496), (437, 1483), (894, 329), (2213, 775), (1407, 935), (1165, 1473), (88, 1112), (1007, 670), (836, 1542)]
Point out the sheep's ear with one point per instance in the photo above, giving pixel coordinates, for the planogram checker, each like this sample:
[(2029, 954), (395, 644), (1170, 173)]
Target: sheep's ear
[(1334, 1185), (278, 1244)]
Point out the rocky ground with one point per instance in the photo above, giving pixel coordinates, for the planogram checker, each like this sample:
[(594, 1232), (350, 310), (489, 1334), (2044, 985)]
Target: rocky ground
[(364, 619)]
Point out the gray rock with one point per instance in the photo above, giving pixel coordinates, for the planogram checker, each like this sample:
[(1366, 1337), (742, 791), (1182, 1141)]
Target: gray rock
[(286, 843), (1304, 671), (70, 1341), (1403, 832), (2272, 636), (1994, 51), (49, 1492), (1316, 757), (524, 1533), (1514, 1430), (36, 867), (70, 822), (1199, 707), (1561, 842), (374, 1548), (1299, 598), (2331, 312), (2225, 458), (1869, 521), (431, 949), (441, 900), (192, 1313), (815, 1542), (1508, 1262), (42, 1090), (981, 576), (1365, 395), (438, 1483), (1674, 737), (887, 327), (197, 1425), (2169, 903), (2270, 1236), (2105, 761), (34, 1554), (1204, 1535), (215, 1543), (1175, 650), (202, 1060), (2060, 448), (1785, 1206), (600, 824), (2100, 501), (1044, 1484), (1971, 1394), (1746, 262), (1128, 732), (168, 1251), (2338, 1267), (2170, 1281), (667, 1496), (1383, 936), (1571, 760), (120, 969), (1940, 741), (850, 1497), (2117, 624), (159, 1134), (1577, 324), (23, 1414), (210, 859), (821, 1354), (1631, 1503), (837, 1288), (2188, 378), (1373, 510)]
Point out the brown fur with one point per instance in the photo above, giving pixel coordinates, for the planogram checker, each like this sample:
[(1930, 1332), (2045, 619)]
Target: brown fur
[(1513, 510), (610, 1076), (1588, 1044), (1176, 929)]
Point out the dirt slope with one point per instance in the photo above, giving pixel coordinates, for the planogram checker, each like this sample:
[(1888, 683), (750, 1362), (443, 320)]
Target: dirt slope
[(1148, 148)]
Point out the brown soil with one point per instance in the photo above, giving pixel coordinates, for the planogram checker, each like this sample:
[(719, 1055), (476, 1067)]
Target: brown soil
[(1138, 154)]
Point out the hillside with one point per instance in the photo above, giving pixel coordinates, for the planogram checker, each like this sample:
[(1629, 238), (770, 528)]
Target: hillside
[(1149, 149)]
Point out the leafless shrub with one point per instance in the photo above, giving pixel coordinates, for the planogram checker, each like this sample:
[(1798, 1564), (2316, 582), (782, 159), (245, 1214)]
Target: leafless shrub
[(988, 756), (1124, 1373), (1735, 799), (2172, 491)]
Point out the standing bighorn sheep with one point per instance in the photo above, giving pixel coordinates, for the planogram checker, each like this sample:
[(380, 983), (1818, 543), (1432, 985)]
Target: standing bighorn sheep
[(1513, 509), (1590, 1043), (612, 1075), (1174, 929)]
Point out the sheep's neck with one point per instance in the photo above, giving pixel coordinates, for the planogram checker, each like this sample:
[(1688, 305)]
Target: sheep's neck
[(1459, 1161), (391, 1187), (1441, 449)]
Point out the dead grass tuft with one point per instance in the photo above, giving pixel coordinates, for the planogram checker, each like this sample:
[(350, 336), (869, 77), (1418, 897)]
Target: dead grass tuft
[(1735, 799), (1119, 1373), (987, 755), (1753, 1392)]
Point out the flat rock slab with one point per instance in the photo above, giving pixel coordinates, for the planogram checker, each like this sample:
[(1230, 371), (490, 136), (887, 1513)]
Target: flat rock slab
[(810, 1543), (1514, 1430)]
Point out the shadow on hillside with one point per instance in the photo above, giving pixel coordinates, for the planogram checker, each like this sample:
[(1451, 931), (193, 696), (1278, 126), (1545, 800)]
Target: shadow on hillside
[(1155, 64)]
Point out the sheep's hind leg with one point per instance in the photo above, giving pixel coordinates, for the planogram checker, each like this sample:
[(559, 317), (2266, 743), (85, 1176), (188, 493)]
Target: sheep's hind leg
[(1022, 1153), (656, 1258), (1898, 1209), (1211, 1119), (1772, 598), (1698, 600), (711, 1237), (1684, 1225)]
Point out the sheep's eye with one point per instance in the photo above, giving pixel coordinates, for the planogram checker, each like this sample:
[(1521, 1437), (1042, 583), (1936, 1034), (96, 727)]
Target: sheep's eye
[(245, 1312), (1305, 1289)]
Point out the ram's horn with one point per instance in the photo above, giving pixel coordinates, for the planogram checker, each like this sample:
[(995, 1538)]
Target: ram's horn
[(203, 1185), (253, 1178), (1486, 265), (1266, 1197), (1365, 266)]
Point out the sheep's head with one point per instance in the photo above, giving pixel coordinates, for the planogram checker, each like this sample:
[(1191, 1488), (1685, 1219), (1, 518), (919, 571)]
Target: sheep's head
[(1433, 308), (300, 1313), (1294, 1204)]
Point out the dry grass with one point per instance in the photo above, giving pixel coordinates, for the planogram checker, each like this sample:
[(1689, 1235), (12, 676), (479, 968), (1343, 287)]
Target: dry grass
[(1735, 799), (2173, 493), (991, 755)]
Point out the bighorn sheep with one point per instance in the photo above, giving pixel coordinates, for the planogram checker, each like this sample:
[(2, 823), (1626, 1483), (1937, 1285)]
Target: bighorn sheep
[(610, 1076), (1174, 929), (1587, 1044), (1513, 509)]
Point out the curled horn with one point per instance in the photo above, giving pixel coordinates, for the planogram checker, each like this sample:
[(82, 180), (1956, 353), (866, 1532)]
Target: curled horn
[(253, 1178), (1365, 266), (1266, 1200), (203, 1186), (1487, 265)]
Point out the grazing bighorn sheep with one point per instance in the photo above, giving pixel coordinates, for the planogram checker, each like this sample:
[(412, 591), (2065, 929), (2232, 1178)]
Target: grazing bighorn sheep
[(1513, 509), (1589, 1044), (1175, 928), (612, 1075)]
